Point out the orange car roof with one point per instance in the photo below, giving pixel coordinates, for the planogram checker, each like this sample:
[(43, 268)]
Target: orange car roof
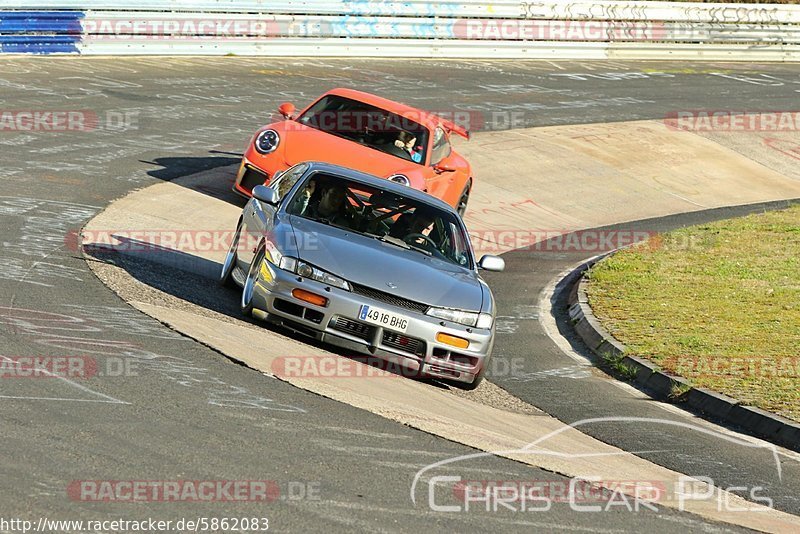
[(431, 120)]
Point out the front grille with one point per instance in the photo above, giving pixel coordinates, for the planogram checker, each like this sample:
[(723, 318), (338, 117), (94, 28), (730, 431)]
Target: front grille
[(352, 327), (403, 342), (390, 299), (253, 177)]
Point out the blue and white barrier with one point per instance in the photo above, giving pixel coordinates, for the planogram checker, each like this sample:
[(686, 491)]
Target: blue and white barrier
[(413, 28), (41, 32)]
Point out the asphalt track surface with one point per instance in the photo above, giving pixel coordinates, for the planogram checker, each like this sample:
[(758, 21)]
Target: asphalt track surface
[(188, 413)]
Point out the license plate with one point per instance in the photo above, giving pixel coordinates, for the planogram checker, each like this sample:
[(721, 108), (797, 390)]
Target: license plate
[(377, 316)]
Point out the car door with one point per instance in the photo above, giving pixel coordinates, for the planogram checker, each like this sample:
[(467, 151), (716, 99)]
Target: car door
[(259, 217)]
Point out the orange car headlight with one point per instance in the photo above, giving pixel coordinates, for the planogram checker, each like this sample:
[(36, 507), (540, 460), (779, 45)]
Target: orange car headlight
[(401, 179), (267, 141)]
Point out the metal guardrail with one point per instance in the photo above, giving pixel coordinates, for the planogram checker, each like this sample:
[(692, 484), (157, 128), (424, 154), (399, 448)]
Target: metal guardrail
[(547, 9), (412, 28)]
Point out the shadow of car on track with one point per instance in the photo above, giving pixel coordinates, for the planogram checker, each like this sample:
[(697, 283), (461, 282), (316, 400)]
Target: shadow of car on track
[(177, 275), (179, 171)]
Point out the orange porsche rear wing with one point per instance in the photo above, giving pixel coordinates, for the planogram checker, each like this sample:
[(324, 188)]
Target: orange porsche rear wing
[(455, 128)]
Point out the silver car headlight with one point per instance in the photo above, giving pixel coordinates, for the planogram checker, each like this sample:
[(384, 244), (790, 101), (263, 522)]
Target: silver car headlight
[(306, 270), (267, 141), (478, 320)]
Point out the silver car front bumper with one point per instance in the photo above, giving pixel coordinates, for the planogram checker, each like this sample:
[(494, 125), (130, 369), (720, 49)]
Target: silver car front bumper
[(416, 350)]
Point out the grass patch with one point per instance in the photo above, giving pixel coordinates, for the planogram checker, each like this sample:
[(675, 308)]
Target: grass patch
[(678, 391), (718, 304), (614, 362)]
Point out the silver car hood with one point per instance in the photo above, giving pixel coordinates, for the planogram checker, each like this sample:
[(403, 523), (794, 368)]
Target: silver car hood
[(372, 263)]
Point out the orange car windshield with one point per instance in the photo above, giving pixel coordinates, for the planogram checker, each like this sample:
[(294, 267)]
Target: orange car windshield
[(368, 125)]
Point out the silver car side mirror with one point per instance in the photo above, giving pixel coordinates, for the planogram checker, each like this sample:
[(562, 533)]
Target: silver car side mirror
[(492, 263), (265, 194)]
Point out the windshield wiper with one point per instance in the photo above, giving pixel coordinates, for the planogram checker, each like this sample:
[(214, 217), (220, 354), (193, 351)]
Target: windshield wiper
[(401, 244), (392, 241)]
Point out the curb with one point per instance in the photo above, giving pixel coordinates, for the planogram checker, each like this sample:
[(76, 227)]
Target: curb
[(664, 386)]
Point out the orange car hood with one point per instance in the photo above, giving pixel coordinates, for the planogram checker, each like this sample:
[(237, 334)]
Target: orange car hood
[(308, 144)]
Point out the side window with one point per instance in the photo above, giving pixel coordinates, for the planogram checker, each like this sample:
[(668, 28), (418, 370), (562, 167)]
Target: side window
[(441, 146), (459, 247), (286, 181)]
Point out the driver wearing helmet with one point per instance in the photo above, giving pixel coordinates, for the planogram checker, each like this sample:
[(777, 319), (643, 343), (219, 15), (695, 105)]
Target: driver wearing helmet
[(409, 224), (330, 204)]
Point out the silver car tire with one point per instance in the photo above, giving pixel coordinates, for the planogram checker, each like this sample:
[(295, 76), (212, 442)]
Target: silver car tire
[(225, 277), (250, 282)]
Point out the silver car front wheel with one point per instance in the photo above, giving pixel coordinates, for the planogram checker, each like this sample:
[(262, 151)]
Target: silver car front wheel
[(225, 277), (250, 282)]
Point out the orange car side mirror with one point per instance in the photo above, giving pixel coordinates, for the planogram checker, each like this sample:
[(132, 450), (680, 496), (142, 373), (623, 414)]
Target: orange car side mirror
[(443, 166), (286, 109)]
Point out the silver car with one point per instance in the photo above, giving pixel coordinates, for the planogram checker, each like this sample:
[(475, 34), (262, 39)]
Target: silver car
[(369, 265)]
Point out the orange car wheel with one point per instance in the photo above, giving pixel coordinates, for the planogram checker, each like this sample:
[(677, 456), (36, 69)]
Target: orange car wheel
[(463, 200)]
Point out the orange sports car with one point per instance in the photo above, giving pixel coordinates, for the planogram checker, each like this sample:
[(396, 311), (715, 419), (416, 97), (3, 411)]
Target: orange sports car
[(367, 133)]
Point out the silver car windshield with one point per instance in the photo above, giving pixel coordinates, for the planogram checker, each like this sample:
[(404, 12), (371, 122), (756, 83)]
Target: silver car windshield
[(392, 218)]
